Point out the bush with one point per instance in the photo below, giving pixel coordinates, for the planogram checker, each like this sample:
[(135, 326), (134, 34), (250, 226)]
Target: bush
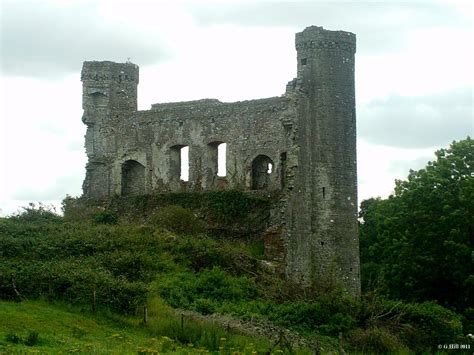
[(13, 338), (177, 219), (104, 217), (311, 317), (188, 290), (40, 214), (375, 340), (434, 323), (204, 306), (32, 338), (420, 326), (233, 207)]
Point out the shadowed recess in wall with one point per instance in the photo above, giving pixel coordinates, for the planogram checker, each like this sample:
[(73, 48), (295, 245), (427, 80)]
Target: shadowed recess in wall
[(133, 178)]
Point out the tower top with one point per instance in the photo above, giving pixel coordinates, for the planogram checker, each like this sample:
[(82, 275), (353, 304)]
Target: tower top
[(109, 71), (314, 37)]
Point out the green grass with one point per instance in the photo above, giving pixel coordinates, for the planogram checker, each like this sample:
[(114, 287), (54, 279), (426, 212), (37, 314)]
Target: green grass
[(63, 328)]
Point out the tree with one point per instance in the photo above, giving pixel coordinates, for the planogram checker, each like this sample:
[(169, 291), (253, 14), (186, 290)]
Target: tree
[(418, 244)]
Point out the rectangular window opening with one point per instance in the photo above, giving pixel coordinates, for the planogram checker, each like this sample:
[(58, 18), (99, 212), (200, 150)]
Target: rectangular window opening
[(221, 159), (184, 155)]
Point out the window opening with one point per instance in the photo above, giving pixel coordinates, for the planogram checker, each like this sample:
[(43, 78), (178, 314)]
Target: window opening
[(262, 168), (184, 166), (133, 178), (222, 159)]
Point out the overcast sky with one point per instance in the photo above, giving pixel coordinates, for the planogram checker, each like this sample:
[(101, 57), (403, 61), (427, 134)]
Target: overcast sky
[(414, 75)]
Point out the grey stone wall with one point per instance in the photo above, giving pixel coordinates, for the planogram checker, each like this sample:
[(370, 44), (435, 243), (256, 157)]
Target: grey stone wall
[(301, 144), (322, 241)]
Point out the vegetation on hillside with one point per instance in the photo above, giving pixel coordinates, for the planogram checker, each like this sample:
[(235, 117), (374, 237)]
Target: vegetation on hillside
[(201, 252), (418, 244)]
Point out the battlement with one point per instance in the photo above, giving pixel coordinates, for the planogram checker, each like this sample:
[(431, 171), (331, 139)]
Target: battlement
[(109, 71), (314, 37)]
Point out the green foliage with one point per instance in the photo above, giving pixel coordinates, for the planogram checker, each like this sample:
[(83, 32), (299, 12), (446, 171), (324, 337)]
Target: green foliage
[(13, 338), (234, 213), (32, 338), (66, 329), (220, 213), (186, 330), (418, 326), (229, 205), (177, 219), (377, 340), (88, 256), (37, 214), (257, 249), (71, 262), (435, 324), (104, 217), (205, 290), (417, 244)]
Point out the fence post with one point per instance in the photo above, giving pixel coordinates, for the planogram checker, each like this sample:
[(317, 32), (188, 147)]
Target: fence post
[(145, 314), (94, 301)]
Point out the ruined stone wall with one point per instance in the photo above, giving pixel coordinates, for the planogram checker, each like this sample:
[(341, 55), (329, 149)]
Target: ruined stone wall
[(153, 139), (307, 137)]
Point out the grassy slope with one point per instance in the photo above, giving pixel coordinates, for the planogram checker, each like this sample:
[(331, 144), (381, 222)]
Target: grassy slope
[(62, 328), (46, 256)]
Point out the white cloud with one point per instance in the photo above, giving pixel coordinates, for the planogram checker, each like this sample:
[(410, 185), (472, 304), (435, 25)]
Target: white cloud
[(432, 120), (43, 39)]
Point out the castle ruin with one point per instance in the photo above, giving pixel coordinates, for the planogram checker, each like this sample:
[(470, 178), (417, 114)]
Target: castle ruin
[(301, 144)]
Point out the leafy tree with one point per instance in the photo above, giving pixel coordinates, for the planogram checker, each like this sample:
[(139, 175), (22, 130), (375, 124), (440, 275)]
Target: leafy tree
[(417, 245)]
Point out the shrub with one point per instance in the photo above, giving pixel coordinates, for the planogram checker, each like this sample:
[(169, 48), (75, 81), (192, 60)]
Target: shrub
[(204, 306), (435, 324), (311, 317), (200, 253), (188, 290), (104, 217), (375, 340), (36, 214), (13, 338), (177, 219), (32, 338), (233, 206)]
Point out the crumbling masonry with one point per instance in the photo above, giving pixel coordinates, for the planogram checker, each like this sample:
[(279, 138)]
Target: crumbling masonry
[(302, 144)]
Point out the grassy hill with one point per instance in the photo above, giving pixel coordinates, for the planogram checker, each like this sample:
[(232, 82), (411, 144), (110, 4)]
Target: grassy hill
[(38, 326), (81, 282)]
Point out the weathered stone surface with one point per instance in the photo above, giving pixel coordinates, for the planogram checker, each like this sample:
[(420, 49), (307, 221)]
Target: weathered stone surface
[(302, 144)]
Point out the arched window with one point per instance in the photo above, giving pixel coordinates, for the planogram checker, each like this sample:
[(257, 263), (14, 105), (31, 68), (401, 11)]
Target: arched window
[(179, 164), (133, 178), (98, 99), (218, 160), (262, 168)]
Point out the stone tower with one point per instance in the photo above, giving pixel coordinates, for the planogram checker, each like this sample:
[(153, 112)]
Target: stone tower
[(322, 245), (300, 145), (109, 96)]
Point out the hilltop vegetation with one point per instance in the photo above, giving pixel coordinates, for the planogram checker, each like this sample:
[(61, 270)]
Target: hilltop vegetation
[(202, 253), (418, 244)]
